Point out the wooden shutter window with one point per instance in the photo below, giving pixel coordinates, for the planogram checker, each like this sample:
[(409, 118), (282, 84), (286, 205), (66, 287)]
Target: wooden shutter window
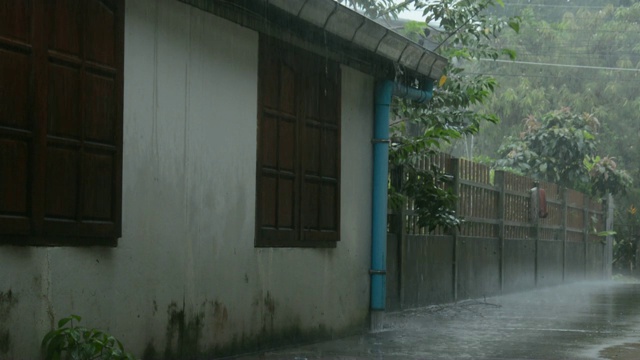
[(61, 85), (298, 175), (320, 146)]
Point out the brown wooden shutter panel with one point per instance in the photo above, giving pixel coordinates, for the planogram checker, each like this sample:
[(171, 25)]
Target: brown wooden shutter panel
[(320, 146), (277, 214), (16, 128), (70, 151), (298, 148)]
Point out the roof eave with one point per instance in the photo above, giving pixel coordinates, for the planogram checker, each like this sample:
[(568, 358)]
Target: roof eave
[(351, 30), (361, 31)]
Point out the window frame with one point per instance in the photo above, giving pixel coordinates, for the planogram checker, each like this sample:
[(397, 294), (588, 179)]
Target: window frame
[(305, 65)]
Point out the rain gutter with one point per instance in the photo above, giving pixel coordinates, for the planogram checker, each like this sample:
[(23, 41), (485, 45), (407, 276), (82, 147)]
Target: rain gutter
[(384, 92)]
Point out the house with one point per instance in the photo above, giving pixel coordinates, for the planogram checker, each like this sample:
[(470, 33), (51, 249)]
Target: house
[(194, 177)]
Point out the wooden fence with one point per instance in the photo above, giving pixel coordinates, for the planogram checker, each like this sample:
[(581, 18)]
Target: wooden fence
[(501, 246)]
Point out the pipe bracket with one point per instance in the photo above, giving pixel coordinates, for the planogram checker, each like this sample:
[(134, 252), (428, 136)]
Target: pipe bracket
[(380, 141), (377, 272)]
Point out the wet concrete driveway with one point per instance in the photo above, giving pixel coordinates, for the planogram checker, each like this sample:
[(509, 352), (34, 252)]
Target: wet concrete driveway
[(579, 321)]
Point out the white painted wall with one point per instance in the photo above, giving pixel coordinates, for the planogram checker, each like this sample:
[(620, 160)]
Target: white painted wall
[(188, 209)]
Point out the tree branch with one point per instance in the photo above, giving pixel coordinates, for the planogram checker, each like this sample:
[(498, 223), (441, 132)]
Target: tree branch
[(395, 8), (456, 30)]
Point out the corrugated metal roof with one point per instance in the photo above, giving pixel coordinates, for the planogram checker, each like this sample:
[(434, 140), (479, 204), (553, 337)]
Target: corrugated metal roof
[(366, 33)]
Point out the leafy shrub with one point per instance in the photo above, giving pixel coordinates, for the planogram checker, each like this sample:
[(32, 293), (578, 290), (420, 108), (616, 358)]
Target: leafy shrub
[(73, 342), (561, 147)]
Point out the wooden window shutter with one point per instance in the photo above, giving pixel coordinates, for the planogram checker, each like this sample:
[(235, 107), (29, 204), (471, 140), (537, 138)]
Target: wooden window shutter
[(321, 152), (277, 213), (61, 137), (298, 148), (17, 131)]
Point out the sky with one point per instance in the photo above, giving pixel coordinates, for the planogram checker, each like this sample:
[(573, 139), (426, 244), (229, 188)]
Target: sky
[(415, 15)]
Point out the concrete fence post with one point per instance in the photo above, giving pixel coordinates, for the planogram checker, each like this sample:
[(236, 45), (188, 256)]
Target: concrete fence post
[(455, 170), (608, 248), (565, 211), (585, 232), (402, 251), (500, 186), (535, 226)]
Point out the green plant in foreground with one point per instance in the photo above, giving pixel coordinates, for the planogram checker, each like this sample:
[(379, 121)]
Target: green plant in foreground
[(70, 341)]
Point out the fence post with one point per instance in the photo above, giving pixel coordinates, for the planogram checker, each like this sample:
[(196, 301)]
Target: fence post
[(608, 260), (401, 224), (500, 185), (535, 226), (585, 232), (455, 170), (565, 211)]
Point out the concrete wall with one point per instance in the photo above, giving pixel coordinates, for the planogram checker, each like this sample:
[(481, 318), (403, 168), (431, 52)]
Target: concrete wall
[(595, 260), (478, 267), (185, 277), (550, 262), (428, 271), (520, 264)]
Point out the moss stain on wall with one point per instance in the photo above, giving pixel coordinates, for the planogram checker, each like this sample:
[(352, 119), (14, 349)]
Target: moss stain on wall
[(5, 341), (220, 318), (185, 333), (272, 336), (7, 301)]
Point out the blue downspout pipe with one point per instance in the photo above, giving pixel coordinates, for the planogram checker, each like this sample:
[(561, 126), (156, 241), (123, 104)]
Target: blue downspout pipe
[(384, 92)]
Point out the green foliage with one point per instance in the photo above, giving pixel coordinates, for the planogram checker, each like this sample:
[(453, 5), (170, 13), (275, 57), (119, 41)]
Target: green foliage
[(378, 8), (586, 57), (433, 200), (465, 33), (605, 177), (469, 27), (484, 160), (626, 239), (73, 342), (560, 147), (427, 188), (596, 48), (414, 30)]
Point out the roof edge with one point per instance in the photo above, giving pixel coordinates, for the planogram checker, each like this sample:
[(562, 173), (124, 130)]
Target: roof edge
[(328, 16), (361, 31)]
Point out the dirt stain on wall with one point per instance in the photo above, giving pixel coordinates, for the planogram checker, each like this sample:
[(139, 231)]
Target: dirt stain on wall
[(220, 317)]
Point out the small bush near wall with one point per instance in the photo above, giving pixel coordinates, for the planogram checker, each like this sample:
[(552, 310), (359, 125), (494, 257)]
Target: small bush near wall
[(73, 342)]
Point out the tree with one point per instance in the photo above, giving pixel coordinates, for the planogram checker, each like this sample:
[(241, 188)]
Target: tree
[(586, 57), (465, 34), (561, 147)]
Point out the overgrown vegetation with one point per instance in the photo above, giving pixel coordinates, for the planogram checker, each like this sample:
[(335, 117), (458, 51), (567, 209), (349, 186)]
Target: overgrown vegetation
[(463, 31), (560, 147), (625, 250), (72, 342), (583, 56), (556, 145)]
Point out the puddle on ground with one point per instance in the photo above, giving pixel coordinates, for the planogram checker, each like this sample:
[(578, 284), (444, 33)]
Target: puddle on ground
[(626, 351)]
